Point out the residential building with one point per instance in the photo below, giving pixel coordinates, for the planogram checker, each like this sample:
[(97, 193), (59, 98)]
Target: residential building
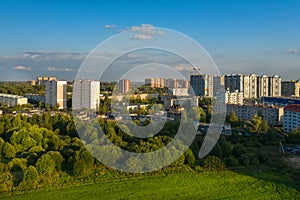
[(291, 117), (155, 82), (86, 94), (290, 88), (180, 91), (42, 80), (171, 83), (124, 86), (12, 100), (218, 85), (280, 101), (274, 86), (262, 86), (235, 97), (252, 94), (31, 82), (202, 84), (234, 82), (273, 114), (36, 97), (181, 83), (56, 93)]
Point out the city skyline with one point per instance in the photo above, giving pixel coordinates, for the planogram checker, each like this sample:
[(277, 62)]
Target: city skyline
[(36, 41)]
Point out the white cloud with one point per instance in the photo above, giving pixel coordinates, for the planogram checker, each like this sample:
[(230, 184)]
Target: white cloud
[(145, 32), (110, 26), (293, 51), (1, 67), (141, 37), (22, 68), (181, 67), (51, 69), (42, 55)]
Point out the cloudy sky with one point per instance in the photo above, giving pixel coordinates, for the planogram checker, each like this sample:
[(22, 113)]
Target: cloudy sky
[(52, 38)]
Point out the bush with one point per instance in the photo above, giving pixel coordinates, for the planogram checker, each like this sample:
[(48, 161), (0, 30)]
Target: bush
[(231, 161), (213, 163), (79, 168)]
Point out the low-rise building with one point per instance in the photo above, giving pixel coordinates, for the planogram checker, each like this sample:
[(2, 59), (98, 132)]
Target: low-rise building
[(12, 100), (36, 97), (291, 117), (180, 91), (273, 114)]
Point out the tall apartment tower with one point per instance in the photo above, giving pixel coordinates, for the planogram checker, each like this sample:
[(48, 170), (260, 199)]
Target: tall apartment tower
[(43, 80), (171, 83), (56, 93), (86, 94), (275, 86), (219, 82), (124, 86), (252, 86), (290, 88), (202, 85), (234, 82), (263, 86)]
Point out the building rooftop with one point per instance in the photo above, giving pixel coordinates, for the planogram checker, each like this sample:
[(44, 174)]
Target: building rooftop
[(293, 107)]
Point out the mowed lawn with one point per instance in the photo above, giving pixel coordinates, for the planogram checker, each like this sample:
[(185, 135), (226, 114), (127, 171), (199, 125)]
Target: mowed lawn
[(212, 185)]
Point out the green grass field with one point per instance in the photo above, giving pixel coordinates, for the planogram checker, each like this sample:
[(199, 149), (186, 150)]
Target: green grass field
[(211, 185)]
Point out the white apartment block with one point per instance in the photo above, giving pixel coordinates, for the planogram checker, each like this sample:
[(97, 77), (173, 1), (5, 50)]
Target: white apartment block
[(56, 93), (180, 91), (291, 118), (235, 97), (86, 94), (275, 86), (243, 83), (12, 100), (273, 115), (263, 86)]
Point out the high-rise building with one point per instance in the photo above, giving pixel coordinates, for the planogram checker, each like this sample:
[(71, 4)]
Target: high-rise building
[(43, 80), (262, 86), (252, 87), (290, 88), (56, 93), (291, 119), (234, 82), (202, 84), (124, 86), (243, 83), (155, 82), (86, 94), (219, 83), (171, 83), (274, 86)]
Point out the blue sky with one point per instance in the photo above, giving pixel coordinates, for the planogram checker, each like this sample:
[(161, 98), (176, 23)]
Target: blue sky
[(241, 36)]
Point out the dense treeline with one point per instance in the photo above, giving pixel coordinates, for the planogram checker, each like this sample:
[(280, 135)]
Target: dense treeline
[(20, 88), (39, 151)]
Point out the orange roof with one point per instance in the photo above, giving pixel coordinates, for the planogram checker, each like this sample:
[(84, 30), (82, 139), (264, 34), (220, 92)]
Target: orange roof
[(293, 107)]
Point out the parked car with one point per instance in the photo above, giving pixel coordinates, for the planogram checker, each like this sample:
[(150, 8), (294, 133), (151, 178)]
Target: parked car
[(286, 148)]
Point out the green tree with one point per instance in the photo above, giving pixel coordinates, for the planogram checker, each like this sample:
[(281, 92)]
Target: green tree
[(30, 179), (45, 164), (79, 168), (233, 118), (264, 126), (8, 151)]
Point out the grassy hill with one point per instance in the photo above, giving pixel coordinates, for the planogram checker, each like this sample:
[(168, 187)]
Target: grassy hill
[(210, 185)]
